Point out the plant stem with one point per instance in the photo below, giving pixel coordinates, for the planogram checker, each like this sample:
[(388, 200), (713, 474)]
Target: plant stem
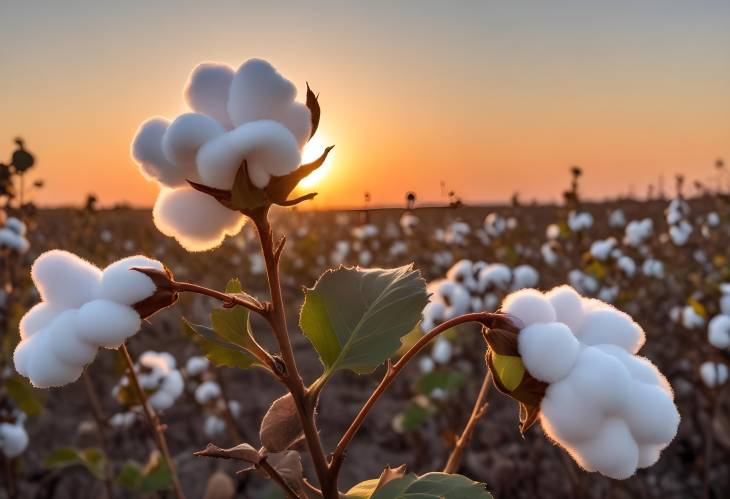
[(100, 421), (291, 378), (226, 298), (154, 422), (276, 476), (485, 318), (480, 407)]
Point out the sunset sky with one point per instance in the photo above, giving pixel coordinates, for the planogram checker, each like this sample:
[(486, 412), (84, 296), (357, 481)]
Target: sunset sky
[(489, 96)]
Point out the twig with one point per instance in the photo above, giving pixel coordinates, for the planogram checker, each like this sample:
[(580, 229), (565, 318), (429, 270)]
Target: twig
[(100, 421), (480, 408), (276, 476), (154, 422), (484, 318)]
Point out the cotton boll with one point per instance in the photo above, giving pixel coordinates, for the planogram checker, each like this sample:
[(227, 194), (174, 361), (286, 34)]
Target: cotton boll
[(649, 455), (196, 220), (718, 331), (45, 369), (147, 151), (601, 379), (13, 440), (601, 249), (161, 400), (651, 414), (568, 306), (207, 391), (713, 374), (207, 91), (23, 353), (627, 265), (38, 317), (16, 225), (529, 306), (259, 92), (566, 417), (267, 146), (173, 384), (495, 275), (442, 351), (549, 351), (433, 313), (64, 279), (196, 365), (66, 344), (183, 139), (640, 368), (107, 324), (524, 276), (123, 285), (611, 326), (426, 364), (213, 425), (613, 451)]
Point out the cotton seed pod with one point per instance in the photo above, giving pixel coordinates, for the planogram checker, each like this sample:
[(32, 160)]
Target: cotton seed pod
[(164, 295)]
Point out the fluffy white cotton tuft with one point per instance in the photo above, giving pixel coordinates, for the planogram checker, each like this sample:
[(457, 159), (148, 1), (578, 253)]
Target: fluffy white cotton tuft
[(259, 92), (207, 91), (184, 137), (713, 374), (196, 365), (207, 392), (13, 439), (612, 410), (83, 308), (196, 220), (718, 331), (529, 306)]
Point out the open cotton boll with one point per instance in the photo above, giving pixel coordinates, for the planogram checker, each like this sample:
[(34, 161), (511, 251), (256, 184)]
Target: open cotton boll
[(196, 365), (627, 265), (267, 146), (548, 350), (528, 306), (568, 306), (64, 279), (39, 362), (433, 313), (197, 221), (494, 275), (207, 391), (65, 342), (38, 317), (524, 276), (184, 137), (16, 225), (13, 439), (610, 325), (213, 425), (601, 250), (442, 351), (121, 284), (147, 152), (207, 91), (713, 374), (259, 92), (613, 451), (718, 331)]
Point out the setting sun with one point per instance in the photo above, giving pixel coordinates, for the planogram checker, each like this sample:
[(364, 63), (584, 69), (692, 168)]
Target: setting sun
[(313, 150)]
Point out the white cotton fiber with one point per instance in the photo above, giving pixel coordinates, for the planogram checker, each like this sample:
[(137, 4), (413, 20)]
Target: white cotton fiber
[(38, 317), (196, 365), (123, 285), (107, 324), (267, 146), (64, 279), (259, 92), (195, 219), (45, 369), (65, 342), (442, 351), (524, 276), (610, 325), (613, 451), (147, 151), (185, 136), (207, 391), (567, 304), (495, 275), (718, 331), (713, 374), (13, 439), (612, 410), (529, 306), (207, 91), (549, 351)]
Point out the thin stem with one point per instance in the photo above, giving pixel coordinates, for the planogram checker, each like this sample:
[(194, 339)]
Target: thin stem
[(227, 298), (480, 407), (484, 318), (154, 422), (100, 421), (291, 378)]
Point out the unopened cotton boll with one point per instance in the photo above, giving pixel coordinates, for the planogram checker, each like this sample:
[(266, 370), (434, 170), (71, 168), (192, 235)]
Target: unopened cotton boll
[(207, 391), (610, 409), (83, 309), (713, 374), (197, 221)]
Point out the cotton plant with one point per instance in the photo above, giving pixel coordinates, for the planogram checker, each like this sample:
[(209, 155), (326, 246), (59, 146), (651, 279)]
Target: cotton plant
[(13, 436), (637, 232), (579, 221), (677, 216), (158, 376), (219, 412), (13, 235)]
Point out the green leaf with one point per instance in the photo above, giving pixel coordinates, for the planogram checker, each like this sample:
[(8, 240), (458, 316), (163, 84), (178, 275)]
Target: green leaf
[(153, 477), (363, 490), (355, 318), (94, 460), (510, 369), (229, 341), (443, 380), (433, 486), (27, 398)]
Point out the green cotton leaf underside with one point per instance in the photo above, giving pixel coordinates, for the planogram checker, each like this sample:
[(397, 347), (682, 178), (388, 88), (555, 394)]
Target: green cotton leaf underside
[(355, 318)]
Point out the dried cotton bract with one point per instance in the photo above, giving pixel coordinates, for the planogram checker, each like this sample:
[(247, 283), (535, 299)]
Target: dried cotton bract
[(250, 115), (83, 308), (611, 409)]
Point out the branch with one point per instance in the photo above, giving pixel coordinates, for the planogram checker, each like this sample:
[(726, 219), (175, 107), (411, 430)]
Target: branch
[(228, 299), (485, 318)]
